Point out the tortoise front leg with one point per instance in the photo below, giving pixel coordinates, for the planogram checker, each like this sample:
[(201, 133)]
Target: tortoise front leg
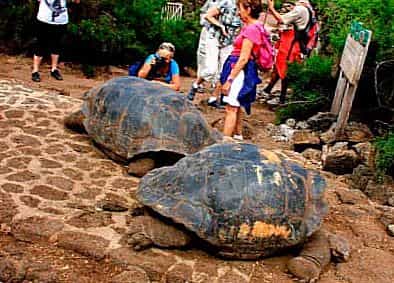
[(141, 166), (146, 231), (314, 257)]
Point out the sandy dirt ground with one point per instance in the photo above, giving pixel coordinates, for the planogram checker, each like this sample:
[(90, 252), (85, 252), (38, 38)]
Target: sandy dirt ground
[(54, 185)]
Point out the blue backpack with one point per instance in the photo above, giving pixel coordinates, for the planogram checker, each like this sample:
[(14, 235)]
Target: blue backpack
[(134, 68)]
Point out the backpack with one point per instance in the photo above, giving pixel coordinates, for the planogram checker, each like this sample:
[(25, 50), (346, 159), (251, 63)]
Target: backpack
[(135, 68), (307, 37), (265, 56)]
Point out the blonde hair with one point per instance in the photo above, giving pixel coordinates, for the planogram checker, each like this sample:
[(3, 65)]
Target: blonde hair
[(167, 46)]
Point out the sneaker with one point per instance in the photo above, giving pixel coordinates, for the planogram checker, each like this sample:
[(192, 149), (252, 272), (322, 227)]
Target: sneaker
[(238, 137), (56, 74), (212, 101), (192, 92), (35, 77)]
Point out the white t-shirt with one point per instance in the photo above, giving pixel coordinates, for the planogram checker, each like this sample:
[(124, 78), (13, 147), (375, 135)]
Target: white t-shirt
[(53, 12), (299, 16)]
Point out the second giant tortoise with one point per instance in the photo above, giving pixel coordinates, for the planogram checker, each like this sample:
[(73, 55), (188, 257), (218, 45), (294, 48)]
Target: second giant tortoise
[(142, 123), (244, 203)]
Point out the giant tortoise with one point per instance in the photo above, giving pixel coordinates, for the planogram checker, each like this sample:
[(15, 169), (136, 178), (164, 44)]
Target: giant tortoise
[(142, 123), (245, 203)]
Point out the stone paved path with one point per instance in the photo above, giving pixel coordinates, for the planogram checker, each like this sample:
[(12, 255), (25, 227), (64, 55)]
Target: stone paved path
[(56, 189)]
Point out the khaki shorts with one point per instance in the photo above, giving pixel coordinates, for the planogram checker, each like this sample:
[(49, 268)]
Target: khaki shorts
[(210, 58)]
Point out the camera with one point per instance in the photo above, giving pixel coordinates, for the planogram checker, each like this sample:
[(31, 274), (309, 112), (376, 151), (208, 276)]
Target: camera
[(159, 60)]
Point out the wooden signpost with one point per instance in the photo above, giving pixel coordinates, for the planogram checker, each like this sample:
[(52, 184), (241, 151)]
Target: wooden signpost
[(352, 62)]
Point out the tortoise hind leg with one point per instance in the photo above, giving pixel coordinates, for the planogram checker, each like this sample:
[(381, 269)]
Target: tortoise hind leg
[(141, 166), (74, 121), (314, 257), (146, 231)]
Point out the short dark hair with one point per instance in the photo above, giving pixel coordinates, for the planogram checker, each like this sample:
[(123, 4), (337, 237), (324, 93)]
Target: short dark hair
[(256, 7)]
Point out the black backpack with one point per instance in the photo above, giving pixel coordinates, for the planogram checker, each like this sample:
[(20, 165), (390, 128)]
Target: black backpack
[(302, 36)]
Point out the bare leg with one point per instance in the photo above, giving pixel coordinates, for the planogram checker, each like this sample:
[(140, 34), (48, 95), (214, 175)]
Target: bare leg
[(54, 61), (230, 120), (273, 81), (217, 92), (238, 126), (36, 63)]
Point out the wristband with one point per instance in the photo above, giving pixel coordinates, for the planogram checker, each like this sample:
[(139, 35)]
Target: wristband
[(230, 80)]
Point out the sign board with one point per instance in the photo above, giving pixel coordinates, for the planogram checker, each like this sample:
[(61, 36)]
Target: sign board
[(352, 59), (351, 65)]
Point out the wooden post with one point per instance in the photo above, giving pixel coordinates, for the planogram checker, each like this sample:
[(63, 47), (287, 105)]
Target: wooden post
[(352, 61), (339, 92)]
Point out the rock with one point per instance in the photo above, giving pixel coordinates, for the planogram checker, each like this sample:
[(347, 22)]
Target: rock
[(339, 146), (367, 153), (379, 192), (11, 270), (302, 125), (351, 196), (390, 230), (339, 247), (286, 131), (329, 135), (321, 121), (291, 122), (272, 129), (387, 217), (179, 274), (358, 132), (312, 154), (303, 139), (360, 177), (390, 201), (85, 244), (35, 228), (354, 132), (339, 161), (134, 274)]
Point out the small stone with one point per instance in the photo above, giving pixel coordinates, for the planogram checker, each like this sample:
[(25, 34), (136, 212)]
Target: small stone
[(390, 230), (134, 274), (291, 122), (302, 125), (390, 201)]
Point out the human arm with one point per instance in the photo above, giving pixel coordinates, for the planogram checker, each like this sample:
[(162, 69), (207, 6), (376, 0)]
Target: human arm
[(246, 52), (211, 16), (175, 83), (271, 7), (145, 69)]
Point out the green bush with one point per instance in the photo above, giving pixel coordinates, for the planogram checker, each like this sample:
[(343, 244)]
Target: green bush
[(376, 15), (385, 155), (312, 87), (107, 31)]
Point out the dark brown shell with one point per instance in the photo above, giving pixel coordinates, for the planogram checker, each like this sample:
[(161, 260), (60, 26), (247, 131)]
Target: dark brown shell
[(245, 202), (129, 116)]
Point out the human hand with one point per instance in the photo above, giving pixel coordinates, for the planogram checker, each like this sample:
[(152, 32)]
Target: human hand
[(226, 88), (270, 4), (223, 30), (76, 1)]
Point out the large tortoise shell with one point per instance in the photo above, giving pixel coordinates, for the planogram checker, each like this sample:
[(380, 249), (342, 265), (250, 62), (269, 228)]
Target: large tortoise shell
[(238, 198), (129, 116)]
